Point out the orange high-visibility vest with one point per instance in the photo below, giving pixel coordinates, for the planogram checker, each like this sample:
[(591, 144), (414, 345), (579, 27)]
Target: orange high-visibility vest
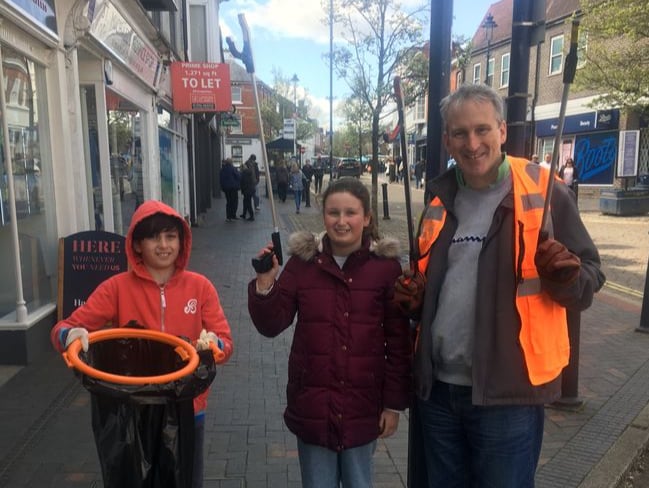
[(544, 327)]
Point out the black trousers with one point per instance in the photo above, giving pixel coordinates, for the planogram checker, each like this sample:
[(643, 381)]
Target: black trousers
[(318, 183), (231, 203), (247, 206), (306, 193), (281, 191)]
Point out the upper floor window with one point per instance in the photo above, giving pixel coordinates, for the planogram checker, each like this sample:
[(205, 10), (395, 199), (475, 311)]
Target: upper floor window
[(476, 73), (504, 71), (490, 71), (238, 128), (556, 54), (236, 94), (420, 108), (582, 46)]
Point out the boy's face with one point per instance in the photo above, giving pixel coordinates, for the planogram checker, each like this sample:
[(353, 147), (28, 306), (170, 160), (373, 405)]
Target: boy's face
[(160, 251)]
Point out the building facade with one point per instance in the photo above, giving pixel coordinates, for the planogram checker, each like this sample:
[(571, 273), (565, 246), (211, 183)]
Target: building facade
[(89, 132)]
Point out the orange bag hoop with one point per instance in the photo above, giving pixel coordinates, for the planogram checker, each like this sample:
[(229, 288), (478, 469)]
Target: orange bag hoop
[(183, 348)]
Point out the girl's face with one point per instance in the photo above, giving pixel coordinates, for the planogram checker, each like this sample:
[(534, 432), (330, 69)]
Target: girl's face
[(344, 221)]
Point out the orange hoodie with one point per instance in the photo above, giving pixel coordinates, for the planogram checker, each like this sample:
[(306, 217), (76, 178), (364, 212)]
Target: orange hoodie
[(183, 306)]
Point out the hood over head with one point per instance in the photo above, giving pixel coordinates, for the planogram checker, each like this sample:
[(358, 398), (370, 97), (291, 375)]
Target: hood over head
[(147, 209)]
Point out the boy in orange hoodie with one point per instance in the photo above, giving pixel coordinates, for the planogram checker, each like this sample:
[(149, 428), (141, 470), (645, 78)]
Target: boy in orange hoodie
[(158, 292)]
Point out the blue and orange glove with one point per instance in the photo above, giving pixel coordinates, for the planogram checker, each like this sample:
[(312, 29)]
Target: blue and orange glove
[(209, 340), (68, 336)]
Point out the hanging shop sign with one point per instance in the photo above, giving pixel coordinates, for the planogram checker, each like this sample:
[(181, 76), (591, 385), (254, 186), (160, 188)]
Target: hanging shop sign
[(41, 11), (112, 30), (201, 87)]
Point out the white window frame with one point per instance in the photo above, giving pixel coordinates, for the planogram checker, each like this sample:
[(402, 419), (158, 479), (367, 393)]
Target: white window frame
[(237, 95), (476, 73), (582, 47), (237, 129), (491, 67), (556, 53), (504, 70)]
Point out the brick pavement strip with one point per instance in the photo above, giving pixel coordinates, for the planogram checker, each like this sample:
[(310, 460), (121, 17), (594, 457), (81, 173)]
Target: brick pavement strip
[(247, 443)]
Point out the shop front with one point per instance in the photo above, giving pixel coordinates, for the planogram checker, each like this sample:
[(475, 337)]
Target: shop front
[(590, 138)]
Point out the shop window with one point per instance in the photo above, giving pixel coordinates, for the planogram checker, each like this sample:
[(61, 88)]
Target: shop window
[(125, 146), (165, 140), (26, 186)]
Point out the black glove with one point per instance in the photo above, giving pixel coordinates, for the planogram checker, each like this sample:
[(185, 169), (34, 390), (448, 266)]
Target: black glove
[(409, 291), (555, 262)]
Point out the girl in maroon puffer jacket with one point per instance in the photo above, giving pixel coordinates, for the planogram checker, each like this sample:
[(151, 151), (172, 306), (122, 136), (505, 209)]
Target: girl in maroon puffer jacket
[(350, 362)]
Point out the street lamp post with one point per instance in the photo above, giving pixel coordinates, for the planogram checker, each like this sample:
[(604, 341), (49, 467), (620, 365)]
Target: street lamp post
[(488, 25), (295, 79), (331, 89)]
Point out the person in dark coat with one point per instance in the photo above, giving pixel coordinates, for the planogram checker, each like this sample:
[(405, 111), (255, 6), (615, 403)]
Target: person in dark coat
[(230, 182), (318, 174), (420, 166), (282, 180), (307, 171), (248, 186), (252, 162), (349, 366)]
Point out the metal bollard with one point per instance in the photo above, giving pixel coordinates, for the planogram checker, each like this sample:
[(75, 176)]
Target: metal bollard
[(570, 376), (386, 210), (644, 313)]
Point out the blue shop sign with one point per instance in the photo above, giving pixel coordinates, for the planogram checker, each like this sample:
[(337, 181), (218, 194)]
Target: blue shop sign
[(579, 123), (41, 11)]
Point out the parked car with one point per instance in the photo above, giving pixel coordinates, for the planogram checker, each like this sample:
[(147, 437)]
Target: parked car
[(349, 167)]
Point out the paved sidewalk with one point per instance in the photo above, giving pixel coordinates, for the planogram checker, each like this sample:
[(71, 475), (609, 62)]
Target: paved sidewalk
[(46, 438)]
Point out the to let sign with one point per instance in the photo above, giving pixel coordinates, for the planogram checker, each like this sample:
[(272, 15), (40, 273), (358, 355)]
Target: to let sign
[(201, 87)]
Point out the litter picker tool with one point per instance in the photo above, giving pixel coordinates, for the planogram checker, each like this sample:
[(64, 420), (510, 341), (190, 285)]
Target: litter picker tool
[(264, 263), (569, 69), (406, 180)]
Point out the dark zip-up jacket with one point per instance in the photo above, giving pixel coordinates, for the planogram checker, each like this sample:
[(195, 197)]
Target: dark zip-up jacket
[(351, 352)]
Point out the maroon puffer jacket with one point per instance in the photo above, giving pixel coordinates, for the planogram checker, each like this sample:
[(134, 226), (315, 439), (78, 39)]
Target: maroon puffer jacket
[(351, 352)]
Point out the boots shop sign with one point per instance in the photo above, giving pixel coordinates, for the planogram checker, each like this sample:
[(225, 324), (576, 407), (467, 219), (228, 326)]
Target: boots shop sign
[(201, 87)]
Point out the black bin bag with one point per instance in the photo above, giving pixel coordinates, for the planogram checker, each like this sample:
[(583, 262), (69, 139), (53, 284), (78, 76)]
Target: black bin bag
[(144, 433)]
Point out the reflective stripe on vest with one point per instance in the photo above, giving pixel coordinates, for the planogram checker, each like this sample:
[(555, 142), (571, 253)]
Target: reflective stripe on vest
[(544, 329)]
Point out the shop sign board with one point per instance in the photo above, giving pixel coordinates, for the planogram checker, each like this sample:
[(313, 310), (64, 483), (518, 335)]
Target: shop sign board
[(42, 11), (201, 87), (85, 260)]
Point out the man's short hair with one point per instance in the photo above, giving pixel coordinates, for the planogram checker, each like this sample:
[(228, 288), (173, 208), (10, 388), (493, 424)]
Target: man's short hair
[(470, 92)]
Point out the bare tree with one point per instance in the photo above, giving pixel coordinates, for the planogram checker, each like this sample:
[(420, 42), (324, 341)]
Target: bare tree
[(378, 37)]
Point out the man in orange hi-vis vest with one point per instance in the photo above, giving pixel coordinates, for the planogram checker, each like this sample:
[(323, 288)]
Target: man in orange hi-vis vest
[(491, 298)]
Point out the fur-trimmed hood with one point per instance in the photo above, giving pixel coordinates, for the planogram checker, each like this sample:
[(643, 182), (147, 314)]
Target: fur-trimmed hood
[(305, 245)]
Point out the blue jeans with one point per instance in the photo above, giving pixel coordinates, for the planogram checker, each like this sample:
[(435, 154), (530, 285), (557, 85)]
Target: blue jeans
[(469, 446), (324, 468), (298, 198)]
